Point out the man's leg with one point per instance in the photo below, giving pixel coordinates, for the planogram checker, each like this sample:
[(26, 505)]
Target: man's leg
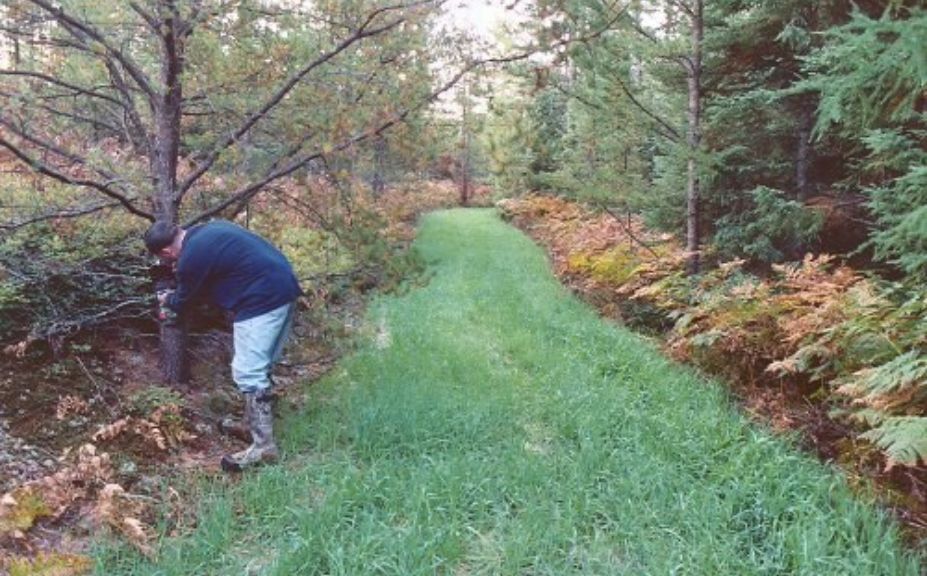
[(283, 335), (280, 343), (258, 343)]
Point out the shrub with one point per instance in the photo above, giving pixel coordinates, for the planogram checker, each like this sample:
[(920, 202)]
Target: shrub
[(59, 278), (771, 230), (859, 342)]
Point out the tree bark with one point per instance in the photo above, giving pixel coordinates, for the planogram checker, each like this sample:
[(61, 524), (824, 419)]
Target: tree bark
[(464, 184), (465, 172), (166, 200), (693, 139), (803, 150), (173, 332)]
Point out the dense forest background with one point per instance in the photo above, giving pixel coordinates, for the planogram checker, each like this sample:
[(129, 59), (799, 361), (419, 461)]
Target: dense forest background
[(758, 133)]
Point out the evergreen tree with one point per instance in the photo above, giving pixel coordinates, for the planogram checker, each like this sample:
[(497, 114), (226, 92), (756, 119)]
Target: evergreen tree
[(872, 77)]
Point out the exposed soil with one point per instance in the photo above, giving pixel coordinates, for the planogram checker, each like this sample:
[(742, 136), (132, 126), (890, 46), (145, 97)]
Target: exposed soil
[(110, 381)]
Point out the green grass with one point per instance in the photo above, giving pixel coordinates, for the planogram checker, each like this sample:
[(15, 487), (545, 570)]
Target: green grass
[(492, 424)]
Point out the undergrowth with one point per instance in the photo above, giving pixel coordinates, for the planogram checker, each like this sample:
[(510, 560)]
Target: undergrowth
[(856, 341)]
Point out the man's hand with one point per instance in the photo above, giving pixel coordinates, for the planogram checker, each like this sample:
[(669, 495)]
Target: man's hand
[(165, 314)]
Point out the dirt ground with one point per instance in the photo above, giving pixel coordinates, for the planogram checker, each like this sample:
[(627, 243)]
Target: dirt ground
[(91, 441)]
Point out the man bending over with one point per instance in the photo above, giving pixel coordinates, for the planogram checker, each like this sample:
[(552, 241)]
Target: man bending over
[(242, 272)]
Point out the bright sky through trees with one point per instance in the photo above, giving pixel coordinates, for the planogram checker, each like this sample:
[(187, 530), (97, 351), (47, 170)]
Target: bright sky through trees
[(480, 17)]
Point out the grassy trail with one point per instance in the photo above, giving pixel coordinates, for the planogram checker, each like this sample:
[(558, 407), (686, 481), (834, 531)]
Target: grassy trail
[(492, 424)]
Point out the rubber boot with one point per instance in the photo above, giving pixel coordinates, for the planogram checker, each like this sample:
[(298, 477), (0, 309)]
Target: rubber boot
[(263, 448), (239, 428)]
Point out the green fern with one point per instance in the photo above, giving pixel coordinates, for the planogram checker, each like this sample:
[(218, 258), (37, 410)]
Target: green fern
[(877, 385), (902, 438)]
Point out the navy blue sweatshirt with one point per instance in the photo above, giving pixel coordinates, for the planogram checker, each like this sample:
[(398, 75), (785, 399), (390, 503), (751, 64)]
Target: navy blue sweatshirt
[(234, 269)]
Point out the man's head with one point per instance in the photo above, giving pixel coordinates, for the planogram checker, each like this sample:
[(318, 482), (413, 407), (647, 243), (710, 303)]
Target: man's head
[(163, 240)]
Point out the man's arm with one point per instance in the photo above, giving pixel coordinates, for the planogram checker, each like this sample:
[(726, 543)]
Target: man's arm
[(191, 276)]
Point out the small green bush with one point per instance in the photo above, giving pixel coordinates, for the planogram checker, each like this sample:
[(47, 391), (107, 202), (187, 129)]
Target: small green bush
[(774, 228)]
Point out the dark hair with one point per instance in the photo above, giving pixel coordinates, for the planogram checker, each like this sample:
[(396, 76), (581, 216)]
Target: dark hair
[(160, 235)]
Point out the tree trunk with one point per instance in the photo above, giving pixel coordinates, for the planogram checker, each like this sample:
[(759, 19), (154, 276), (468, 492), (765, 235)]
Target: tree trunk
[(693, 138), (803, 150), (465, 172), (167, 112), (464, 183)]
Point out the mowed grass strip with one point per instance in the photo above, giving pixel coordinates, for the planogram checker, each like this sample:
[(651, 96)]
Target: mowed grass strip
[(492, 424)]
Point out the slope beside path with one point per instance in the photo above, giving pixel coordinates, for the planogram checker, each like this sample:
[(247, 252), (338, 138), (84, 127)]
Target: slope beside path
[(489, 423)]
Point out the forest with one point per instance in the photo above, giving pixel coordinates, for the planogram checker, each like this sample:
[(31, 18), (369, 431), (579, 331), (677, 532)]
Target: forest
[(732, 192)]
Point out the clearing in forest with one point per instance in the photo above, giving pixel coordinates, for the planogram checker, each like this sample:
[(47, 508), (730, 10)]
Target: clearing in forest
[(490, 423)]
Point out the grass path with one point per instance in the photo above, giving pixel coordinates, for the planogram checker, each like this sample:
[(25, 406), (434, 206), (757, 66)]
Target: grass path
[(492, 424)]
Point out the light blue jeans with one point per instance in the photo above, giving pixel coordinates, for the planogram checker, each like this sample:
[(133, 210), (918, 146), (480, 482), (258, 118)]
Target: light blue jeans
[(259, 344)]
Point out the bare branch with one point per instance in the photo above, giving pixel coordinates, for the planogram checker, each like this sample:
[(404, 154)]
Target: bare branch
[(52, 80), (247, 192), (148, 17), (104, 187), (577, 97), (242, 195), (629, 231), (663, 129), (687, 64), (47, 146), (222, 87), (640, 30), (363, 31), (135, 129), (61, 214), (673, 133), (70, 115), (83, 30), (128, 308), (682, 6), (274, 168), (304, 209)]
